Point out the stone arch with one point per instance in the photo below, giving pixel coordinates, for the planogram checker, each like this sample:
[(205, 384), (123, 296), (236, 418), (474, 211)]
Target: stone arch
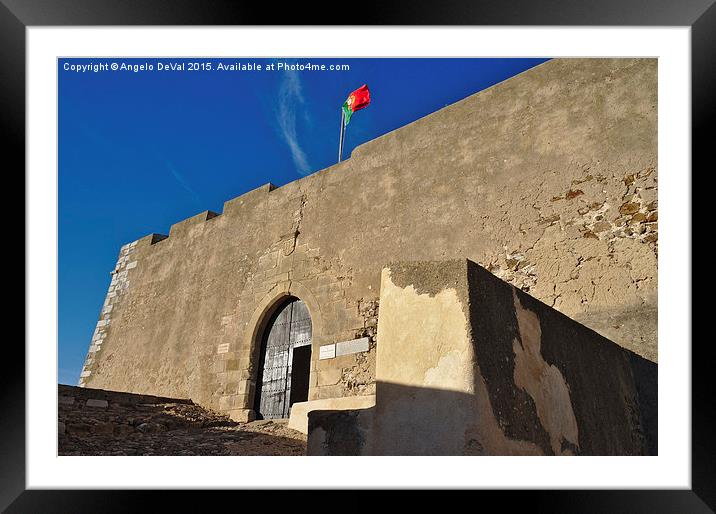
[(274, 299)]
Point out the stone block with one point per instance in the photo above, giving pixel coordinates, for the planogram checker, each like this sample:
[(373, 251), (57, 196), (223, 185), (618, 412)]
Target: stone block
[(248, 201), (97, 404), (246, 387), (268, 261), (183, 227), (232, 376), (329, 376), (233, 365), (277, 277), (300, 411), (330, 392), (242, 415), (227, 402), (343, 361)]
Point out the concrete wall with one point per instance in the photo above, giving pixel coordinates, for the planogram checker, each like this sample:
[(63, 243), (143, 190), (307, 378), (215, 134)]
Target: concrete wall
[(300, 410), (547, 179), (469, 365)]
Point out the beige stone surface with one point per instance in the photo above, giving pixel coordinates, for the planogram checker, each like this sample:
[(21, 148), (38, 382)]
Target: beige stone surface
[(427, 370), (522, 178), (299, 411), (469, 365), (425, 361)]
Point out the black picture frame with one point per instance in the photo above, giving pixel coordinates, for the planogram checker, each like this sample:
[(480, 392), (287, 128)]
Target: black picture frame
[(699, 15)]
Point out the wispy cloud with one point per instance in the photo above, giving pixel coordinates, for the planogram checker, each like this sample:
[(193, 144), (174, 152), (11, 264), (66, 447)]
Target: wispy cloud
[(182, 181), (290, 100)]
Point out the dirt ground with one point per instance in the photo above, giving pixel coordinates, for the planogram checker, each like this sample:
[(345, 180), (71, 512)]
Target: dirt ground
[(123, 426)]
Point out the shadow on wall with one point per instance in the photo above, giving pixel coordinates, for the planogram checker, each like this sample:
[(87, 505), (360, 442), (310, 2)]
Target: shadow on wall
[(534, 359), (469, 365), (431, 422)]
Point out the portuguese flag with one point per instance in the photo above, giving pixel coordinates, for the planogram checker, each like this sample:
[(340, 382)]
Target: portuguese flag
[(357, 100)]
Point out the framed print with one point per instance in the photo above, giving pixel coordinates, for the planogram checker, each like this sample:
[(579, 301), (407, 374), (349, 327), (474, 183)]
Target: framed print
[(427, 245)]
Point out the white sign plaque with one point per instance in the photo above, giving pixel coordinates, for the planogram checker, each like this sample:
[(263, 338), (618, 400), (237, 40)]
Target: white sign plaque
[(354, 346), (327, 352)]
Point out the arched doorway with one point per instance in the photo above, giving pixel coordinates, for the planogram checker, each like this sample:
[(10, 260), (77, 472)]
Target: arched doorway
[(285, 362)]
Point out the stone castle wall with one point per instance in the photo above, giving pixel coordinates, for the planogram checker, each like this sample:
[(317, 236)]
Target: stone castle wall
[(470, 365), (548, 180)]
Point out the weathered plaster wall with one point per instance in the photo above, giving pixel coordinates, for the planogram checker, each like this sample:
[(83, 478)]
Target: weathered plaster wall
[(424, 362), (547, 179), (469, 365)]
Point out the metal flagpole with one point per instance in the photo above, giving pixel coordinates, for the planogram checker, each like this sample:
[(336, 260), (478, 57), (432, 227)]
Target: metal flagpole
[(340, 141)]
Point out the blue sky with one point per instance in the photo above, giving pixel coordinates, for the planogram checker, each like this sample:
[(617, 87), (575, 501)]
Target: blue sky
[(139, 151)]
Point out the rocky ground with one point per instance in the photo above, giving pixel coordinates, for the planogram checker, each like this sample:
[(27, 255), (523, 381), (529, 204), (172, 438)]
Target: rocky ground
[(97, 422)]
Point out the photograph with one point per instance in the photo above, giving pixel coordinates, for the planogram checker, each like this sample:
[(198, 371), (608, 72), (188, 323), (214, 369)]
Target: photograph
[(417, 247), (360, 256)]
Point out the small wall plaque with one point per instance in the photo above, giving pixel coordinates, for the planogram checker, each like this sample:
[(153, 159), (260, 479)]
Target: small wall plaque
[(327, 352), (354, 346)]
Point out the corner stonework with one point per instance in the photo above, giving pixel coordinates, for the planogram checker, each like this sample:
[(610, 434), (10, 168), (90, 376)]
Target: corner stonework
[(117, 289)]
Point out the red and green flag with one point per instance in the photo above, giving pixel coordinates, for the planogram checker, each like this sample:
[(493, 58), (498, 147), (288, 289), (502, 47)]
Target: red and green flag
[(357, 100)]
